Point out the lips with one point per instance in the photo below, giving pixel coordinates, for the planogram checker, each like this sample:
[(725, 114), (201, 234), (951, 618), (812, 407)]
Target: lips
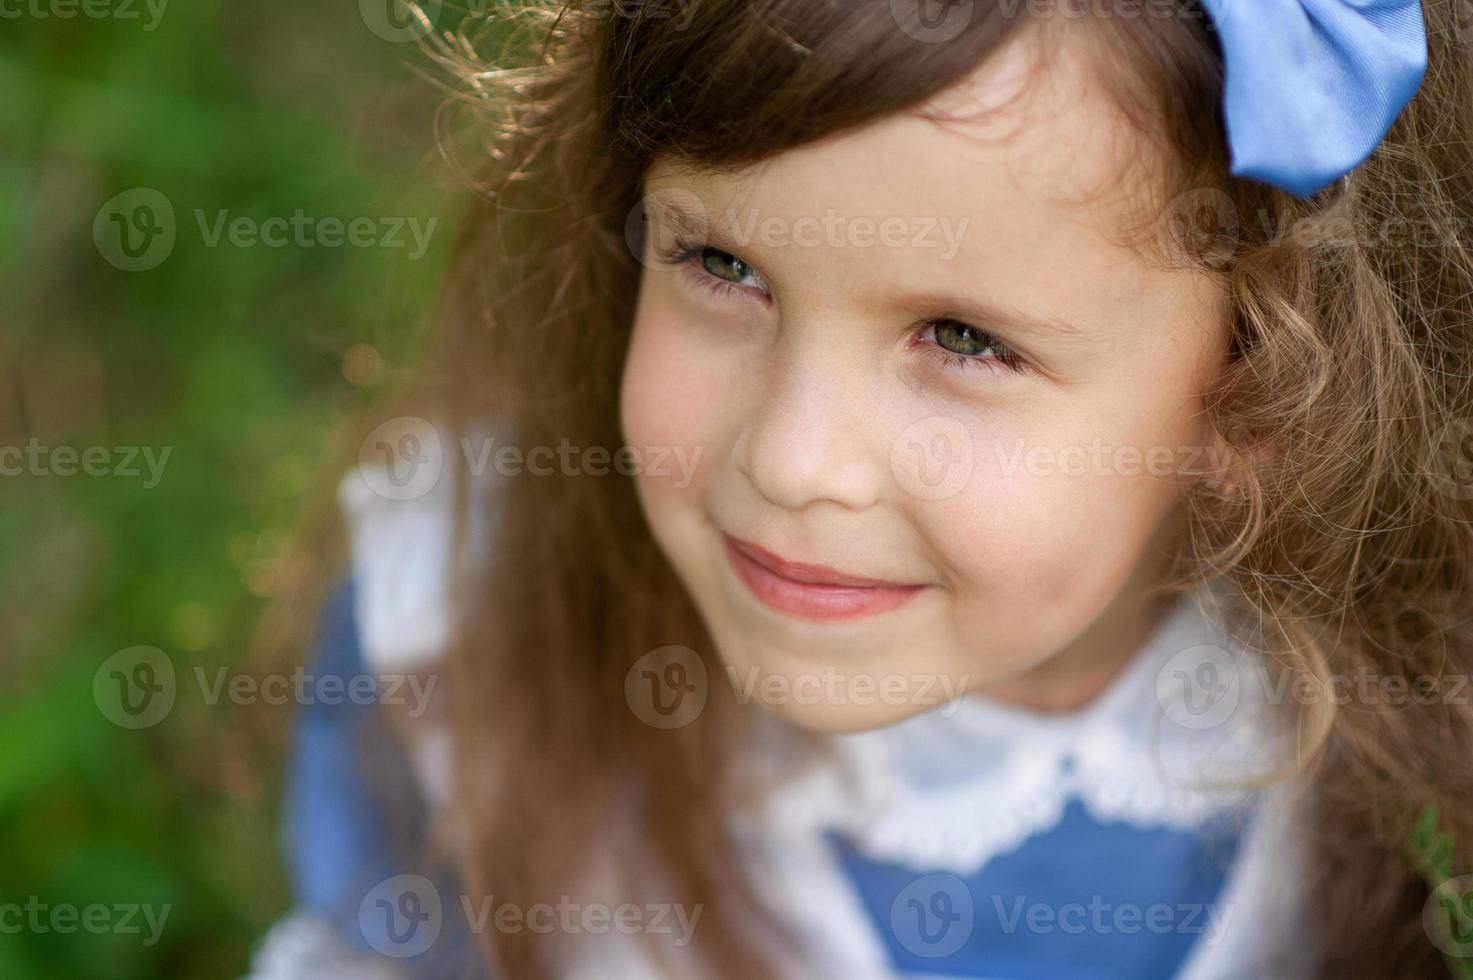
[(814, 592)]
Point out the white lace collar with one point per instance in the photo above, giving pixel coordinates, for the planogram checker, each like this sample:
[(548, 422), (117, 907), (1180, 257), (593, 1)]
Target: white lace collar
[(1171, 742)]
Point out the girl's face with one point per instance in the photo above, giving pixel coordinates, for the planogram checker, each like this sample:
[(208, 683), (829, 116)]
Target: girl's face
[(938, 411)]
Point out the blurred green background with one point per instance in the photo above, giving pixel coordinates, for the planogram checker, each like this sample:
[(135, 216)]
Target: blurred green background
[(243, 362)]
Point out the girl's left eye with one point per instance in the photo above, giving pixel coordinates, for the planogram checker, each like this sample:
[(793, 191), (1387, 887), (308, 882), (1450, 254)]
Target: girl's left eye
[(725, 266), (720, 272), (965, 346)]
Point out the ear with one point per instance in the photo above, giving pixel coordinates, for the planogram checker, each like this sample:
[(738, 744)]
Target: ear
[(1227, 468)]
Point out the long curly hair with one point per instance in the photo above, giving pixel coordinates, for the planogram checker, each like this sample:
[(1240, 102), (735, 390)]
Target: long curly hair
[(1344, 536)]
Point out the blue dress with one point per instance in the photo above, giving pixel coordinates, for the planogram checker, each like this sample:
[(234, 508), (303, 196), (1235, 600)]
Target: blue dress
[(1093, 885)]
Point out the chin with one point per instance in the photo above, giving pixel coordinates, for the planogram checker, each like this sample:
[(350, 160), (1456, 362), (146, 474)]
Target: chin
[(841, 719), (834, 694)]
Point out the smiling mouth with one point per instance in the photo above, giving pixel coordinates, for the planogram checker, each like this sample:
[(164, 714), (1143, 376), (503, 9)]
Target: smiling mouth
[(813, 592)]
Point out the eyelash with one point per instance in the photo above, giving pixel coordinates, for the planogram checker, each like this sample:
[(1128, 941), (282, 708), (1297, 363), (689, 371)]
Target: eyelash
[(1007, 358), (685, 256)]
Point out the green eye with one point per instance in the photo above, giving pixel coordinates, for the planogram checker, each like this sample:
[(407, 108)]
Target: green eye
[(724, 265), (960, 338), (967, 346)]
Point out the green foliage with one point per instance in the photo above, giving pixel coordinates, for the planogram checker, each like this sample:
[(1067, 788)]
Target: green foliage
[(229, 357), (1433, 855)]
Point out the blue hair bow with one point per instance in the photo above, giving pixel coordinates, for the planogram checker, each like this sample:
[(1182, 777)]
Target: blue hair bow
[(1313, 86)]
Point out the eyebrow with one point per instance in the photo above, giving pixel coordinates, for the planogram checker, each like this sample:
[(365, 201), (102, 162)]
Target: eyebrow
[(933, 304), (676, 214)]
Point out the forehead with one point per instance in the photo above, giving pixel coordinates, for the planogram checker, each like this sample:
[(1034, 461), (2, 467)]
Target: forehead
[(1028, 155)]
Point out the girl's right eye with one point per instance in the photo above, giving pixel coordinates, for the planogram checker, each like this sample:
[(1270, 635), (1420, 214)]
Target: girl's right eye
[(711, 268)]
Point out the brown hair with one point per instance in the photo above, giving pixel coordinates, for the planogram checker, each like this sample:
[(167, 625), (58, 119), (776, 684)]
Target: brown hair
[(1349, 362)]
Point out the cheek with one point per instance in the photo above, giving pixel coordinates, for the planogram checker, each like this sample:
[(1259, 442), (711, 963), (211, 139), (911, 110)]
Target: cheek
[(669, 403), (1055, 520)]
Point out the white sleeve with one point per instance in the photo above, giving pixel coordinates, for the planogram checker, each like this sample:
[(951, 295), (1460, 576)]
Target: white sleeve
[(302, 946)]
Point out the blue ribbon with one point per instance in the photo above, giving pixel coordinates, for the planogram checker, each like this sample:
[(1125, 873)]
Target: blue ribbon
[(1313, 86)]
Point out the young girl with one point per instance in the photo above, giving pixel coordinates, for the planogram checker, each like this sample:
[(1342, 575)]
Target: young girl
[(975, 491)]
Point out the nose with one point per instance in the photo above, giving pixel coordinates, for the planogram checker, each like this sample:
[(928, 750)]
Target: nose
[(811, 434)]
